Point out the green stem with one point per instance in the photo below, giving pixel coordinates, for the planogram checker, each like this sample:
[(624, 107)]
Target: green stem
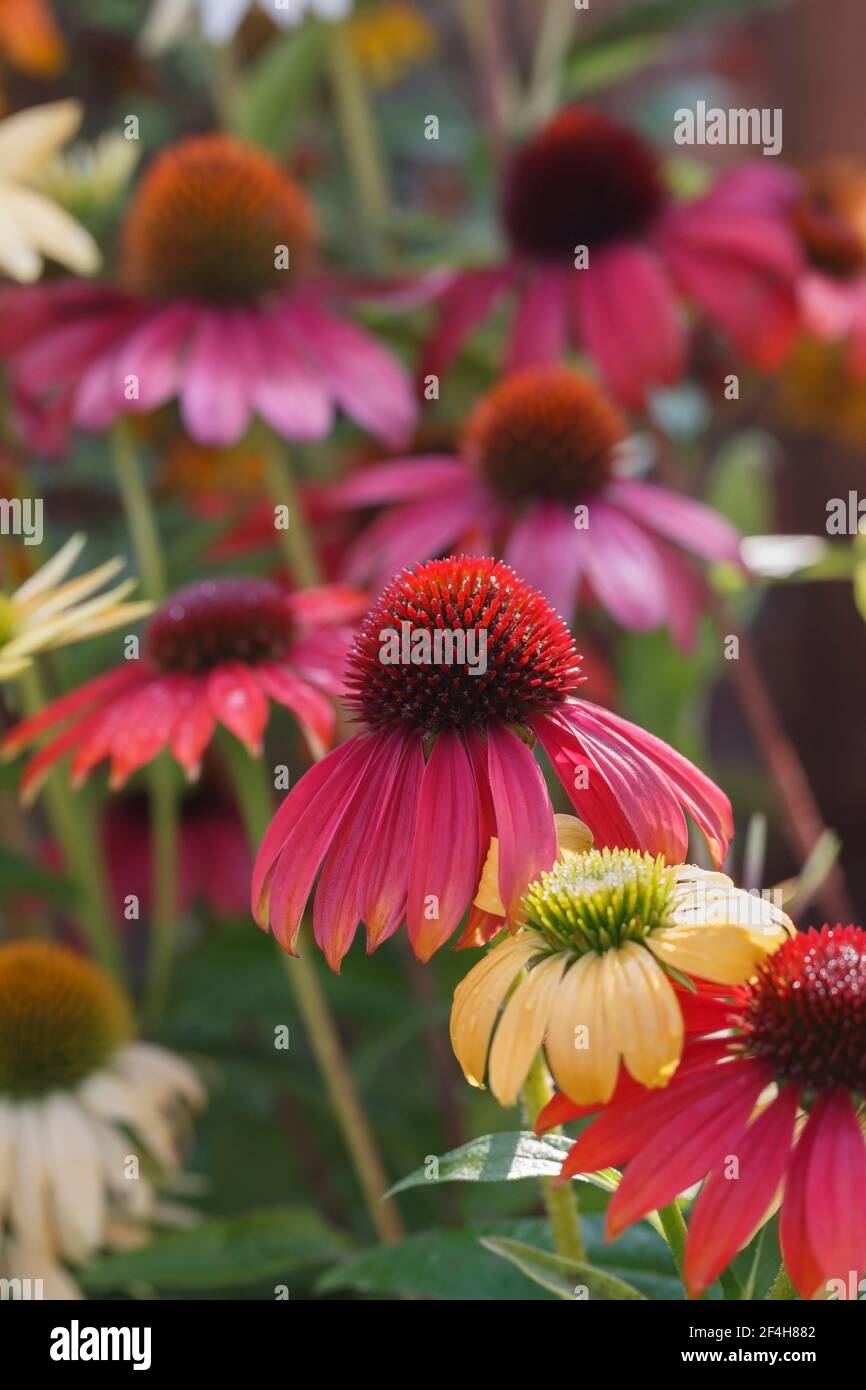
[(294, 538), (782, 1288), (140, 519), (561, 1202), (164, 825), (162, 790), (555, 34), (75, 828), (675, 1232), (254, 796), (360, 141)]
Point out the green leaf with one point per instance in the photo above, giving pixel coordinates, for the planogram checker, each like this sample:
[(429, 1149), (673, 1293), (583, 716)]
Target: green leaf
[(223, 1254), (455, 1265), (557, 1274), (599, 65), (276, 91), (504, 1158), (20, 875)]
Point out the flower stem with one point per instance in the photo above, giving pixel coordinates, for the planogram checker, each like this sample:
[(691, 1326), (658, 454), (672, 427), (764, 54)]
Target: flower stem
[(143, 530), (254, 797), (164, 824), (163, 805), (548, 63), (74, 826), (560, 1202), (804, 822), (674, 1227), (294, 538), (782, 1288), (360, 141)]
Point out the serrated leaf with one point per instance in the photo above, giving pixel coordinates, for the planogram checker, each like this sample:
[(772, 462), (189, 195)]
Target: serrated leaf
[(557, 1274), (507, 1157), (223, 1254)]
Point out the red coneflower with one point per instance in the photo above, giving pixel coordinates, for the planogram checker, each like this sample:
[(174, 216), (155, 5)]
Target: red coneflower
[(774, 1106), (585, 181), (219, 305), (457, 671), (218, 651), (536, 479)]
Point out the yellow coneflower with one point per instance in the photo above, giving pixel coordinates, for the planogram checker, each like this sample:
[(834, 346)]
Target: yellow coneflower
[(603, 938), (79, 1098), (31, 226), (45, 612), (390, 39), (91, 177)]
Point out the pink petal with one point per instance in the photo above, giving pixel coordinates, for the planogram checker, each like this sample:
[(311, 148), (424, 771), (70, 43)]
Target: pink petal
[(401, 480), (217, 390), (193, 727), (288, 392), (524, 815), (145, 729), (366, 381), (442, 873), (628, 318), (413, 531), (385, 877), (835, 1187), (574, 766), (314, 711), (690, 524), (153, 354), (239, 703), (539, 333), (623, 567), (732, 1206), (546, 551), (302, 832), (466, 304)]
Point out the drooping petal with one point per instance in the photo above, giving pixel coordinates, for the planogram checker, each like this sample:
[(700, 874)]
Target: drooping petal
[(628, 318), (385, 877), (580, 1051), (301, 833), (315, 712), (443, 872), (239, 703), (525, 826), (623, 567), (401, 480), (538, 334), (464, 305), (835, 1184), (546, 551), (478, 999), (645, 1020), (734, 1201), (689, 523), (216, 393), (522, 1027)]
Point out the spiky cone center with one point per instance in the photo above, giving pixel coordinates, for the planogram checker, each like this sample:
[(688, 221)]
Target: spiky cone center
[(61, 1018), (456, 644), (600, 899), (217, 620), (582, 180), (217, 220), (546, 433), (830, 219), (805, 1013)]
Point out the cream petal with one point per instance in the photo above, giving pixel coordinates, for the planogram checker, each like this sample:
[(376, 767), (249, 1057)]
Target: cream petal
[(7, 1156), (168, 1073), (108, 1096), (28, 1204), (18, 258), (59, 596), (478, 998), (584, 1063), (53, 570), (572, 836), (522, 1027), (50, 230), (721, 954), (25, 1261), (77, 1191), (28, 139), (646, 1019)]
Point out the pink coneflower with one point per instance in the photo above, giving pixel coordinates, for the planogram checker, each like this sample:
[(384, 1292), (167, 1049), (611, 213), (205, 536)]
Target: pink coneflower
[(216, 652), (219, 305), (782, 1095), (829, 216), (458, 671), (585, 181), (536, 480)]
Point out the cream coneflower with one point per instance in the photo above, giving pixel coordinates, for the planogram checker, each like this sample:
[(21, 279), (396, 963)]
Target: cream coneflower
[(31, 226), (78, 1100), (46, 612), (604, 938), (219, 20)]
